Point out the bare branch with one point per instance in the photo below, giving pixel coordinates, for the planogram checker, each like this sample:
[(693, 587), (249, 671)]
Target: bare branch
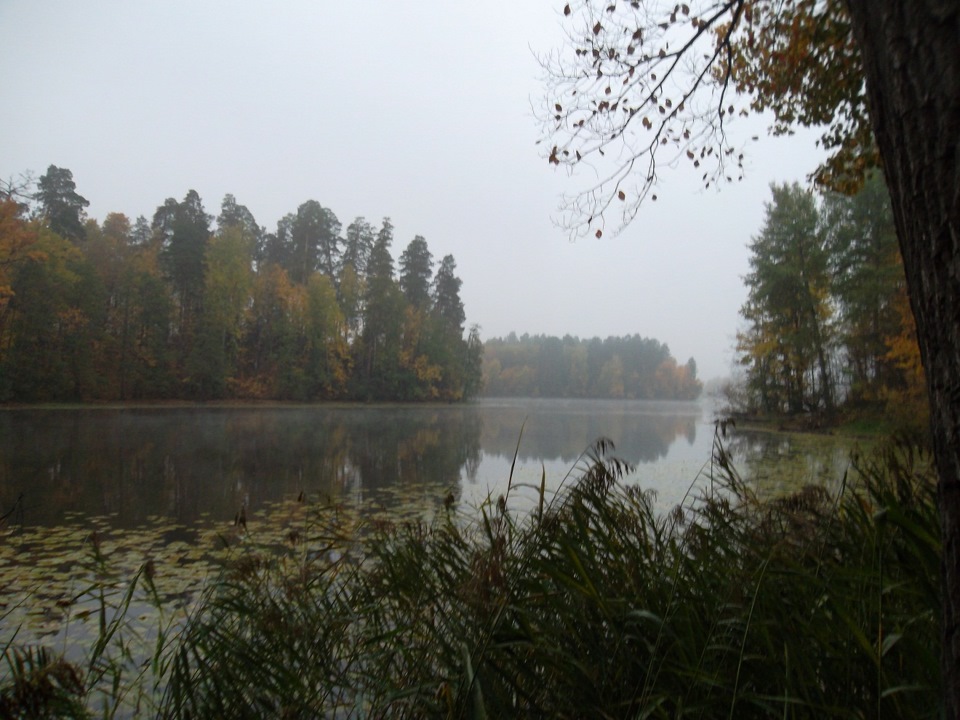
[(645, 88)]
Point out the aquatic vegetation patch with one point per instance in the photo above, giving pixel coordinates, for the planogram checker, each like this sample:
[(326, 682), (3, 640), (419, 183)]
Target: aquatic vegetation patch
[(593, 603)]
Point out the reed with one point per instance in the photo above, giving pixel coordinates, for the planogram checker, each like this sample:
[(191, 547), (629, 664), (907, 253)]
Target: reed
[(594, 604)]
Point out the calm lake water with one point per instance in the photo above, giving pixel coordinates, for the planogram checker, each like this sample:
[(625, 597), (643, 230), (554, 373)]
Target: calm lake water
[(187, 464), (89, 497)]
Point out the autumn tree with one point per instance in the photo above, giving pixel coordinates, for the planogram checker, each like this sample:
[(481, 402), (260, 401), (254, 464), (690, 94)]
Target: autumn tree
[(326, 353), (46, 357), (788, 344), (17, 239), (213, 359), (643, 84), (269, 347)]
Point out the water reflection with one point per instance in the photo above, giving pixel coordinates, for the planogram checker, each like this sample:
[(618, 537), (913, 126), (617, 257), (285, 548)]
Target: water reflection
[(189, 463), (643, 432), (184, 463)]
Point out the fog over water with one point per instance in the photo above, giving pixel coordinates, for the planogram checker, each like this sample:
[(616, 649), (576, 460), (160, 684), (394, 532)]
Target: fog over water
[(417, 111)]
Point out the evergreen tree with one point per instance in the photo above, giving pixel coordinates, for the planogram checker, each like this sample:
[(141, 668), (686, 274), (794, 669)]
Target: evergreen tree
[(447, 306), (141, 233), (60, 204), (184, 228), (383, 319), (358, 243), (234, 215), (866, 274), (416, 273), (278, 246), (315, 242)]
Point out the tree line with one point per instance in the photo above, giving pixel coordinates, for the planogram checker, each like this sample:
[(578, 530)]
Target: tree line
[(175, 308), (828, 321), (629, 367)]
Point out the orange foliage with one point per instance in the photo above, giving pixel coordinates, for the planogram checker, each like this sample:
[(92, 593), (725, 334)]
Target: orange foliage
[(799, 59), (16, 239), (903, 349)]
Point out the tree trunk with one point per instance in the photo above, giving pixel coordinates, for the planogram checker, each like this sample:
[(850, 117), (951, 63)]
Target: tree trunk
[(911, 59)]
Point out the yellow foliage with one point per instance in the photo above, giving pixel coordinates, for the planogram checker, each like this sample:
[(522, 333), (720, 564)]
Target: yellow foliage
[(903, 349), (16, 240)]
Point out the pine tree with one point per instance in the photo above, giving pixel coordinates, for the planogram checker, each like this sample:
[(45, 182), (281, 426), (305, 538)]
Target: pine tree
[(60, 204)]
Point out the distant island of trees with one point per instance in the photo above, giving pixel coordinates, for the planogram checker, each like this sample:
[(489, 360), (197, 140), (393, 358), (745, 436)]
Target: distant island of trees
[(171, 308), (629, 367)]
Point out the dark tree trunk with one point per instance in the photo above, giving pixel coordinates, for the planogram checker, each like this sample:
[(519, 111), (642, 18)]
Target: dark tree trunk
[(911, 58)]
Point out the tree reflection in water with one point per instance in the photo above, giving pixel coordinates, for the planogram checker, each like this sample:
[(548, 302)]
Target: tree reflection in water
[(187, 463)]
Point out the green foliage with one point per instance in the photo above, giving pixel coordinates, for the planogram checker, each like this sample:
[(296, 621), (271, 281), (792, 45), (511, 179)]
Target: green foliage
[(315, 236), (416, 273), (184, 230), (823, 316), (866, 275), (592, 604), (60, 204), (630, 367), (787, 307)]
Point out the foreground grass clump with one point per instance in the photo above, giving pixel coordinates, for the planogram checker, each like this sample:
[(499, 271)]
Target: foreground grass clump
[(592, 605)]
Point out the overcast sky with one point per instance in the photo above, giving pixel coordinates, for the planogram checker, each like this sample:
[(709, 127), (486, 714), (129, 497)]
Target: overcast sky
[(413, 110)]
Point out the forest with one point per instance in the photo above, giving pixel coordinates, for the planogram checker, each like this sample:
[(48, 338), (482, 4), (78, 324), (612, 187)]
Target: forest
[(827, 318), (175, 308), (629, 367)]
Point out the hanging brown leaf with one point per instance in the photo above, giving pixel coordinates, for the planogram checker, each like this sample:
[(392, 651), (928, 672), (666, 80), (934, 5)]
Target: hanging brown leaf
[(566, 9), (622, 195), (599, 234)]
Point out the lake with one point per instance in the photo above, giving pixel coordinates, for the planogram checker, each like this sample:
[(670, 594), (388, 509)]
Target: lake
[(188, 463), (165, 484)]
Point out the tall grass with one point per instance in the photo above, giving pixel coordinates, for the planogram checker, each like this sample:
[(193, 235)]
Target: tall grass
[(592, 605)]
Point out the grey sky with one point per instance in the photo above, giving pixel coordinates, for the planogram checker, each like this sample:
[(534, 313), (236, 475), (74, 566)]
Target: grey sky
[(413, 110)]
